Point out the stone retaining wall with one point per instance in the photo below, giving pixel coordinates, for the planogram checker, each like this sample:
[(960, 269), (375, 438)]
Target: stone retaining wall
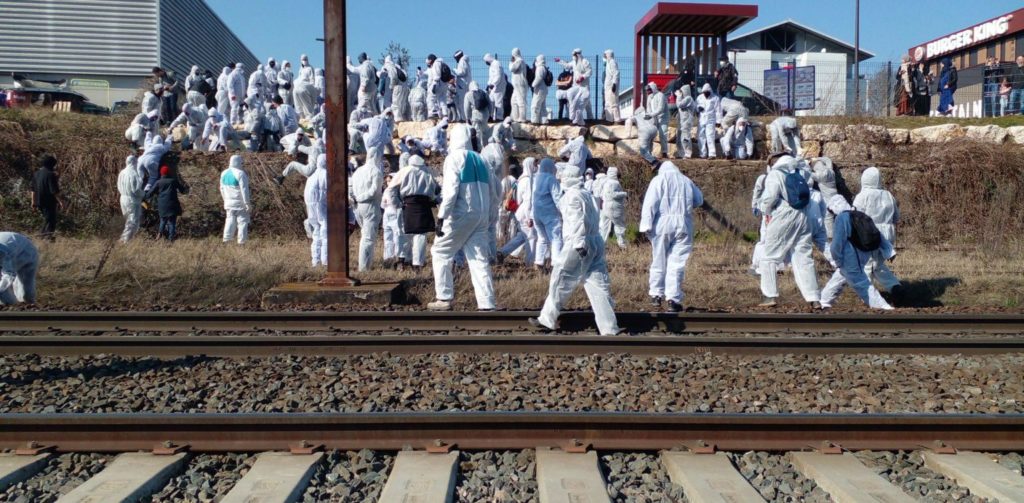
[(842, 143)]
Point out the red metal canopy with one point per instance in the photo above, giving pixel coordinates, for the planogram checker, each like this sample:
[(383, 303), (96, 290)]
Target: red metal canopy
[(694, 18)]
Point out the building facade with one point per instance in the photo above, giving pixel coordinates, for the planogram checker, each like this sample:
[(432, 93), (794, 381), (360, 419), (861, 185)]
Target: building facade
[(1001, 37), (106, 49)]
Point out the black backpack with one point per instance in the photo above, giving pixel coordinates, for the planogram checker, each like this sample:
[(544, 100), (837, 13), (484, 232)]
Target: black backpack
[(446, 73), (402, 76), (480, 100), (864, 235), (548, 78), (531, 72)]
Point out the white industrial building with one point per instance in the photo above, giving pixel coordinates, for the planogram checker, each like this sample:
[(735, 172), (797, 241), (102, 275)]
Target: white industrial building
[(107, 48), (789, 43)]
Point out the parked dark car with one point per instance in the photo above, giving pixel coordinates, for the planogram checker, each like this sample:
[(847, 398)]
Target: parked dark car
[(756, 103), (27, 92)]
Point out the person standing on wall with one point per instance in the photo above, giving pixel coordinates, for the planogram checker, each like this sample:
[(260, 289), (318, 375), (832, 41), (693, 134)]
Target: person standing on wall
[(947, 86)]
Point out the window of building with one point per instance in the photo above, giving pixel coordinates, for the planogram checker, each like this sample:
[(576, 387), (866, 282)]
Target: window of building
[(1020, 44), (972, 57)]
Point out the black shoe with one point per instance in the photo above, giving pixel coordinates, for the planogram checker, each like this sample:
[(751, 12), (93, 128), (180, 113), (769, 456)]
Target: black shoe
[(816, 305), (537, 325), (279, 179), (674, 307), (656, 302)]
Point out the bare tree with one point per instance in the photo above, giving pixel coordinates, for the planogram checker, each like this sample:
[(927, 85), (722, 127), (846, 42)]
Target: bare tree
[(398, 53)]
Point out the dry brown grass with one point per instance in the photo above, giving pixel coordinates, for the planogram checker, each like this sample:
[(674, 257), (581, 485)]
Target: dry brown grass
[(205, 273)]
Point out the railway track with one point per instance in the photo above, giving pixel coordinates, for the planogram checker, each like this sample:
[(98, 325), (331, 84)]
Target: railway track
[(408, 321), (424, 451)]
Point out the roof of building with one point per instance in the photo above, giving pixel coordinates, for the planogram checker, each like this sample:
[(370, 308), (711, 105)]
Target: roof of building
[(694, 18), (864, 54)]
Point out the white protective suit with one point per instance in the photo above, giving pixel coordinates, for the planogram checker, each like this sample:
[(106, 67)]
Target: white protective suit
[(236, 92), (193, 118), (579, 95), (152, 102), (320, 83), (465, 198), (305, 90), (222, 133), (667, 219), (788, 233), (234, 189), (477, 117), (313, 152), (707, 108), (257, 87), (415, 179), (377, 133), (502, 134), (755, 208), (286, 83), (399, 91), (463, 76), (130, 185), (824, 176), (436, 138), (315, 197), (613, 207), (289, 119), (880, 205), (365, 189), (495, 87), (785, 135), (577, 151), (582, 259), (19, 262), (418, 100), (223, 97), (193, 97), (657, 109), (538, 107), (686, 108), (367, 96), (611, 87), (493, 156), (437, 91), (730, 111), (355, 134), (851, 262), (140, 125), (546, 218), (526, 238), (149, 161), (520, 86), (738, 141), (646, 131), (270, 75), (351, 83)]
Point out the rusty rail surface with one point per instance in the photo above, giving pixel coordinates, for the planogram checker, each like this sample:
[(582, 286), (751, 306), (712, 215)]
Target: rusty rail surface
[(227, 345), (399, 321), (511, 430)]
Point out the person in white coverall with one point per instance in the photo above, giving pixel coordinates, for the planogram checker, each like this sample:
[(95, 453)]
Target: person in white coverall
[(526, 238), (236, 92), (785, 135), (576, 151), (495, 87), (579, 94), (731, 111), (436, 138), (305, 90), (437, 91), (193, 118), (463, 74), (546, 218), (582, 260), (193, 97), (351, 83), (738, 141), (646, 131), (520, 86), (286, 83), (852, 262), (234, 189), (657, 109), (686, 108), (464, 217), (365, 189), (257, 87), (824, 176), (880, 205), (377, 133), (611, 87), (755, 209), (223, 97), (707, 110), (140, 125), (315, 197), (667, 219), (788, 233), (399, 90), (418, 99), (538, 107), (493, 156), (130, 185), (477, 106), (415, 180), (367, 96), (613, 208), (19, 262), (270, 74)]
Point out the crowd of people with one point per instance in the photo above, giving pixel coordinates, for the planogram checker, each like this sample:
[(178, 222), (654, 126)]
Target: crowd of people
[(1002, 88), (484, 206)]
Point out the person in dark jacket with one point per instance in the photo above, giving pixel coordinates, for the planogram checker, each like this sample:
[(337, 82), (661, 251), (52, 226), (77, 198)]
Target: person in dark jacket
[(728, 78), (46, 195), (167, 203), (947, 86), (922, 90), (1016, 76)]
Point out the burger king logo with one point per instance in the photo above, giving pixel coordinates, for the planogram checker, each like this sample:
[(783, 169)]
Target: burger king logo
[(919, 53)]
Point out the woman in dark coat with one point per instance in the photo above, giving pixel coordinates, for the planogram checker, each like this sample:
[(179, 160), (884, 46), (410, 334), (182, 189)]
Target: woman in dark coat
[(167, 203), (947, 86)]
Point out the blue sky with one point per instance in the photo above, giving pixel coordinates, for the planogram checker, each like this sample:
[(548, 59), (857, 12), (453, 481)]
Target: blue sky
[(554, 27)]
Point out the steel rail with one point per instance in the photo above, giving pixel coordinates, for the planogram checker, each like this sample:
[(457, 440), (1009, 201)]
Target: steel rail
[(169, 346), (499, 321), (511, 430)]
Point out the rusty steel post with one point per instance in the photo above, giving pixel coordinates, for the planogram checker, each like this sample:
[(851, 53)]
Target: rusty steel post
[(337, 145)]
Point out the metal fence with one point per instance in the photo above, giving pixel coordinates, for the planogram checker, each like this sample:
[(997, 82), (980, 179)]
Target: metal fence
[(835, 85)]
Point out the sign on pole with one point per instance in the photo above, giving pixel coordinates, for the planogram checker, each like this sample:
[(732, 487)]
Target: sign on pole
[(792, 88), (803, 88)]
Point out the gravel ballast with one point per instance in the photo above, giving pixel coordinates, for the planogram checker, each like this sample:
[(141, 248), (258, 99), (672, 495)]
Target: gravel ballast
[(707, 383), (207, 477), (776, 478), (498, 476), (349, 476), (61, 475), (906, 470), (639, 478)]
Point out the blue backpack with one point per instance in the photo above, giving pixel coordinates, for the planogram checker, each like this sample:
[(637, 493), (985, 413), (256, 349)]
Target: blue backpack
[(798, 194)]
